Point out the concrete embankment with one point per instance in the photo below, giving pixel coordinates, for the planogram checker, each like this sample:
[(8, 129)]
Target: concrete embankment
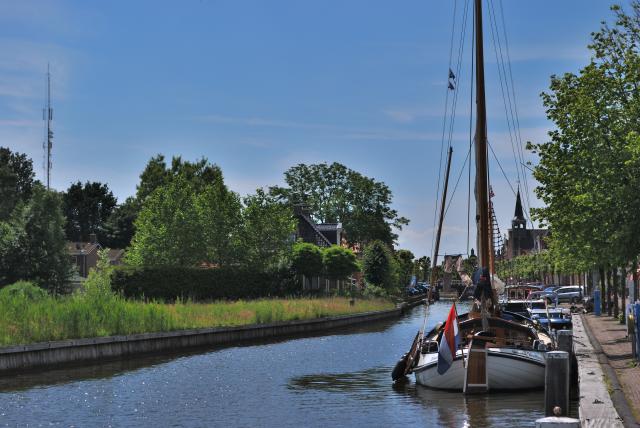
[(596, 409), (104, 348)]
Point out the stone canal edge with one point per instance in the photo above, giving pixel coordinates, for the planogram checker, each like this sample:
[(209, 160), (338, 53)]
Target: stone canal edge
[(49, 354), (598, 407)]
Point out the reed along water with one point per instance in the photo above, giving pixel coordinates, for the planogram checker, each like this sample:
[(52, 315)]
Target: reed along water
[(342, 378)]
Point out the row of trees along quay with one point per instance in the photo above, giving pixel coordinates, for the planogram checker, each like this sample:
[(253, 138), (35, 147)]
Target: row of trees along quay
[(589, 170), (186, 235)]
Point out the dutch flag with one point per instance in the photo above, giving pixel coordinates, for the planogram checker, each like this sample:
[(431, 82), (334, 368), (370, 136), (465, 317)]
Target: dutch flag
[(449, 342)]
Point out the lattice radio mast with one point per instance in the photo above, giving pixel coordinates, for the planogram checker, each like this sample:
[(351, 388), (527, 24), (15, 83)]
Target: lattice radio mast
[(47, 115)]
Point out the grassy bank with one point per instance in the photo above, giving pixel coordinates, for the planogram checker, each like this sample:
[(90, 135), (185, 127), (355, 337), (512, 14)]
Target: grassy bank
[(27, 318)]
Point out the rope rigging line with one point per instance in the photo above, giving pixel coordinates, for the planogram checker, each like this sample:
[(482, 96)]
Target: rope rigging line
[(450, 114), (473, 51), (509, 104), (521, 146), (508, 110), (502, 169), (466, 159), (444, 126)]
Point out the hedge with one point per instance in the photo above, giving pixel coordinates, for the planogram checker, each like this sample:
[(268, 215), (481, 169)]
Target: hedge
[(170, 283)]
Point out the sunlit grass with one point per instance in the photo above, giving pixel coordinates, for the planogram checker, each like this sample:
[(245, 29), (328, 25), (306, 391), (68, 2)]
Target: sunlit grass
[(25, 319)]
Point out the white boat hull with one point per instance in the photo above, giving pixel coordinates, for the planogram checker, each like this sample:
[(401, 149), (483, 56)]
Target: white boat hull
[(507, 369)]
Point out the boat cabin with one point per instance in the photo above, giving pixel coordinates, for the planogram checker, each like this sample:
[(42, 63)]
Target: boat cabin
[(520, 292), (552, 319)]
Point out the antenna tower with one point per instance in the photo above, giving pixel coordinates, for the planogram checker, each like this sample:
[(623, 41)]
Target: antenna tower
[(47, 115)]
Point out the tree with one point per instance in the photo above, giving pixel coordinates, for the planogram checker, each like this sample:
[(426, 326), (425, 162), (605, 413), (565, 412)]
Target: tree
[(379, 266), (119, 227), (32, 243), (16, 180), (405, 265), (182, 224), (87, 208), (589, 170), (422, 268), (339, 262), (335, 193), (156, 174), (306, 259), (267, 227)]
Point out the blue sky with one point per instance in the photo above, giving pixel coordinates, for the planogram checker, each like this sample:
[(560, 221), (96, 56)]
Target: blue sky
[(259, 86)]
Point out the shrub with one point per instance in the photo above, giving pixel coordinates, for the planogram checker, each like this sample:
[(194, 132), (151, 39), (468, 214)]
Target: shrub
[(169, 283), (23, 289), (371, 291)]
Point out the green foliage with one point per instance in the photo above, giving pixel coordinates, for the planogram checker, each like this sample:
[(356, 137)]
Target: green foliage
[(339, 262), (119, 228), (87, 208), (379, 266), (24, 320), (529, 267), (184, 223), (32, 245), (98, 282), (373, 291), (200, 173), (422, 268), (306, 259), (228, 282), (405, 266), (589, 171), (335, 193), (16, 180), (267, 227), (23, 289)]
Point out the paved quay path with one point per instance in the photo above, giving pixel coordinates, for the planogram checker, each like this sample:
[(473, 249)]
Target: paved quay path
[(614, 350)]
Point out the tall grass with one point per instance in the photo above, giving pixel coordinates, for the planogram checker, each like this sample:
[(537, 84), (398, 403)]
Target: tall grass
[(27, 316)]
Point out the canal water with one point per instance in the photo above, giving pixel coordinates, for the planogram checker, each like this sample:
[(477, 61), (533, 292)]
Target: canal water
[(336, 379)]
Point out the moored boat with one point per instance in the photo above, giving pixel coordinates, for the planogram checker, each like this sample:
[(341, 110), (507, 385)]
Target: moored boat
[(488, 348)]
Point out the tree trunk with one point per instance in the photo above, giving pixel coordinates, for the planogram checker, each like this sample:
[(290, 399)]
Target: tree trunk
[(616, 285), (634, 266), (609, 305), (603, 300)]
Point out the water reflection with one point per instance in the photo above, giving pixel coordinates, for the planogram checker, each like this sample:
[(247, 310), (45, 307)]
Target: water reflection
[(340, 378), (442, 408)]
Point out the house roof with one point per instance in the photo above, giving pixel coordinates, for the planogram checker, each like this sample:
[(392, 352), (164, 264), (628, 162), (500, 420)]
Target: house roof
[(327, 227), (115, 254), (82, 248), (314, 226)]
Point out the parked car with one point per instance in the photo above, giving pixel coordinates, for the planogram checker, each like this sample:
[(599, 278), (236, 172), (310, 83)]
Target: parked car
[(550, 289), (422, 287), (571, 293), (412, 291)]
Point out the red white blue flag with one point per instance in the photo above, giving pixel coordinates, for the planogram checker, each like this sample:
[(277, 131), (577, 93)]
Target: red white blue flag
[(449, 342)]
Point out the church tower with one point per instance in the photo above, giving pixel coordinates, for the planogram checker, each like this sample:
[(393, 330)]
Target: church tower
[(520, 238), (518, 221)]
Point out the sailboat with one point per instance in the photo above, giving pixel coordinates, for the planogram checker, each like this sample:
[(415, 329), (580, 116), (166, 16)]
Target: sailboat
[(496, 350)]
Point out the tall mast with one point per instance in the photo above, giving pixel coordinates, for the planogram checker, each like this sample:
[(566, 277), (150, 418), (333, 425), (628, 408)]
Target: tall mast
[(434, 261), (482, 191), (48, 116)]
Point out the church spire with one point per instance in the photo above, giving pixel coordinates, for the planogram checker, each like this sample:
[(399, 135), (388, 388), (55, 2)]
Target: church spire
[(519, 214), (518, 221)]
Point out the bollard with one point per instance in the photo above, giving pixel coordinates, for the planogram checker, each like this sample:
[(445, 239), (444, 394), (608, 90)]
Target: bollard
[(556, 384), (631, 332), (554, 422), (565, 341), (597, 305)]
